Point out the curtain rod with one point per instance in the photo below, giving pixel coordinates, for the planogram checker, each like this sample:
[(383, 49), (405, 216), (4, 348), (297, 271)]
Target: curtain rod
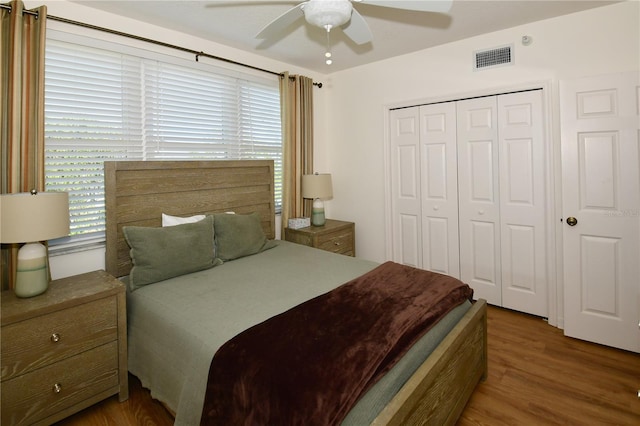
[(148, 40)]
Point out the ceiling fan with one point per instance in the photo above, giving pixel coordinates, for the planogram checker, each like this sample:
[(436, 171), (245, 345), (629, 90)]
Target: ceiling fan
[(329, 14)]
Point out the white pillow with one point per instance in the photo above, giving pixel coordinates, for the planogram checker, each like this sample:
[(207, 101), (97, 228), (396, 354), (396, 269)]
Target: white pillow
[(168, 220)]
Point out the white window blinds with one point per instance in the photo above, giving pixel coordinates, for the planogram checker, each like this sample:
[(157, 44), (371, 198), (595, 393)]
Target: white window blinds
[(104, 105)]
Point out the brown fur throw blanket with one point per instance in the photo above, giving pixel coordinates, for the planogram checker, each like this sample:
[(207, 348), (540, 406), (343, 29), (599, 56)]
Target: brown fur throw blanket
[(310, 364)]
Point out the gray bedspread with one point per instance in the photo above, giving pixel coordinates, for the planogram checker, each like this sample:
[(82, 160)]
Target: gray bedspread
[(176, 326)]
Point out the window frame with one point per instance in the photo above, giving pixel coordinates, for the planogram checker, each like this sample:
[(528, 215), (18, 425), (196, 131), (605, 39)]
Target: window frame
[(168, 56)]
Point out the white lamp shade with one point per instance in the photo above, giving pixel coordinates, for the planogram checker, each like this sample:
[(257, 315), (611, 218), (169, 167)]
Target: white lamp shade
[(26, 217), (317, 186)]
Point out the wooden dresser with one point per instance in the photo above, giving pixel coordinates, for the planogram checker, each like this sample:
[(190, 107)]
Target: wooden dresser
[(335, 236), (64, 350)]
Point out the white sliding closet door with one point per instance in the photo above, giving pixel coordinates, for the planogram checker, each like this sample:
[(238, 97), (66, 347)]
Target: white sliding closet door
[(439, 188), (522, 202), (468, 195), (405, 181), (478, 197)]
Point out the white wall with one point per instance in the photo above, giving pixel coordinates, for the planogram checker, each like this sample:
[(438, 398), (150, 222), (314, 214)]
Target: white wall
[(598, 41), (75, 263)]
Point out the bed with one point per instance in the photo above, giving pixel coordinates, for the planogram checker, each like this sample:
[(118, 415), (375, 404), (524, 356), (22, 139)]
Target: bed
[(171, 347)]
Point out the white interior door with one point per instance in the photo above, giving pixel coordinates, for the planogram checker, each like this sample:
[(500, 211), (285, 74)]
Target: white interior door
[(601, 190), (439, 188), (522, 202), (405, 186), (478, 197)]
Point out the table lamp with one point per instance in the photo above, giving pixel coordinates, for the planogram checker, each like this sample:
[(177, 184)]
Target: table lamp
[(29, 218), (317, 187)]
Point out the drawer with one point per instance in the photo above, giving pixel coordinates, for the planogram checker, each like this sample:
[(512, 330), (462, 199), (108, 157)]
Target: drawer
[(337, 242), (35, 396), (299, 238), (42, 340)]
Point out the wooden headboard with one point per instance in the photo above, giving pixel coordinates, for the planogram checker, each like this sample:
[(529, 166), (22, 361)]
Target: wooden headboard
[(138, 192)]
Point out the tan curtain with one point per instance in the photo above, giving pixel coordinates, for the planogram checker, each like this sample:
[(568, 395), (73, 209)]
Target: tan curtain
[(296, 99), (22, 41)]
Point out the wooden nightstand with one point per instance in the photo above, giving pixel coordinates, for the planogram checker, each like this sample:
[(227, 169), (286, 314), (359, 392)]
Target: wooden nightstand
[(335, 236), (64, 350)]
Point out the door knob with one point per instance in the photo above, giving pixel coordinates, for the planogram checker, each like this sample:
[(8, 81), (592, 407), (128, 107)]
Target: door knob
[(572, 221)]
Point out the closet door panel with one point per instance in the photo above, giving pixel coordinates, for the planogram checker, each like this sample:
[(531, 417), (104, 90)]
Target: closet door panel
[(519, 165), (405, 188), (522, 202), (409, 242), (483, 254), (478, 197), (480, 173), (436, 256), (518, 260), (439, 188)]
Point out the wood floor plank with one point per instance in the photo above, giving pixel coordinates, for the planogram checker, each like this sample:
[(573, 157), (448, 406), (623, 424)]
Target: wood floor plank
[(537, 376)]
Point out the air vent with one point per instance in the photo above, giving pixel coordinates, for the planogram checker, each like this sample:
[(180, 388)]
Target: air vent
[(490, 58)]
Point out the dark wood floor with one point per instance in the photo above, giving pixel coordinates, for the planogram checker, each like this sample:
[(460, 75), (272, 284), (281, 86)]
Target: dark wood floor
[(537, 376)]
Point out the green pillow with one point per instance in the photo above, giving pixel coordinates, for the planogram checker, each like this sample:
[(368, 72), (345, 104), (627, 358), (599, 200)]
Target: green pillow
[(239, 235), (162, 253)]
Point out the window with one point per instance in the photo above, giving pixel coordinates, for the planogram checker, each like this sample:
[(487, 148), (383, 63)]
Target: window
[(103, 104)]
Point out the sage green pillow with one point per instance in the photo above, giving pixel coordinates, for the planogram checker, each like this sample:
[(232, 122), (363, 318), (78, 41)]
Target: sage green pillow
[(162, 253), (239, 235)]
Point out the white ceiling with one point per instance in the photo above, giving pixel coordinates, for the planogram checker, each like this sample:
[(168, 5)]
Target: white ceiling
[(395, 32)]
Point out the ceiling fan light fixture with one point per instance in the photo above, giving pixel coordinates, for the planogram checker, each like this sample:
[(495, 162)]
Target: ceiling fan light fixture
[(323, 13), (329, 14)]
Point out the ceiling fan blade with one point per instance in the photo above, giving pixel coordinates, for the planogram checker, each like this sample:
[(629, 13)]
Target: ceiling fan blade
[(281, 22), (441, 6), (357, 29)]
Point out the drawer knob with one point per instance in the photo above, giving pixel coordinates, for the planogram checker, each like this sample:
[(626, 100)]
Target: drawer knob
[(336, 243), (55, 337), (57, 388)]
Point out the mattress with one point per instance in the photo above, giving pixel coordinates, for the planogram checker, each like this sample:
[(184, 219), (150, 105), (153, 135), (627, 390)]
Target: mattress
[(175, 326)]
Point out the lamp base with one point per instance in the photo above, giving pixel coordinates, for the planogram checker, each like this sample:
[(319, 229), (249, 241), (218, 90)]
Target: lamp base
[(32, 277), (317, 213)]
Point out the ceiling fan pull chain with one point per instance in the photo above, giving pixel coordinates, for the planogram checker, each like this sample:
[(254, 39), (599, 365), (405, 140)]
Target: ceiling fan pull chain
[(327, 54)]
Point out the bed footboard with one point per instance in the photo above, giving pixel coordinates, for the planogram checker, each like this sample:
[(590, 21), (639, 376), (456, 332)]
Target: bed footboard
[(439, 390)]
